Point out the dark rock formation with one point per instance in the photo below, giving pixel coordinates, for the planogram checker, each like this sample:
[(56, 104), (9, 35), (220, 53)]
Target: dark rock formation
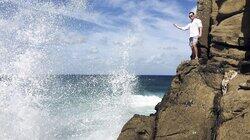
[(204, 8), (206, 99), (203, 13)]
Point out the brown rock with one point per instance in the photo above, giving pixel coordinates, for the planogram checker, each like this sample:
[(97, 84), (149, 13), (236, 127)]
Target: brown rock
[(214, 13), (244, 86), (227, 52), (226, 61), (230, 22), (203, 13), (230, 7), (138, 128), (235, 111), (212, 76), (186, 66), (188, 107), (228, 31)]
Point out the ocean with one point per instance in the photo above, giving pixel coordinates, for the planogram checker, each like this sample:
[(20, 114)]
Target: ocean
[(79, 107), (92, 108)]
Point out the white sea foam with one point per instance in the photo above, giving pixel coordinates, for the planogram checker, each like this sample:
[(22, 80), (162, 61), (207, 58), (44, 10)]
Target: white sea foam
[(139, 101)]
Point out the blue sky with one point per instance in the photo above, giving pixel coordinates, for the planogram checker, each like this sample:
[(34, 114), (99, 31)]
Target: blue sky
[(101, 36)]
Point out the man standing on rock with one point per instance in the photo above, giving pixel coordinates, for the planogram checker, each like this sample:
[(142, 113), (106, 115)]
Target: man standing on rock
[(195, 27)]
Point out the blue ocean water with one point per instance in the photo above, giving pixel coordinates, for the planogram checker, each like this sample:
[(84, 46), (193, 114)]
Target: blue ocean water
[(86, 106)]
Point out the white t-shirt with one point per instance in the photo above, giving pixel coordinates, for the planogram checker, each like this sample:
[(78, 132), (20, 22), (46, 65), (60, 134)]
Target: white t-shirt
[(193, 27)]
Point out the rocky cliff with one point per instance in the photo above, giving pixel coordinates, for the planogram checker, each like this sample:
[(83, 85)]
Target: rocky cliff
[(209, 99)]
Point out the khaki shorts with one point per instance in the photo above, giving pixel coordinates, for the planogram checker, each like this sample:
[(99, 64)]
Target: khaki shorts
[(193, 40)]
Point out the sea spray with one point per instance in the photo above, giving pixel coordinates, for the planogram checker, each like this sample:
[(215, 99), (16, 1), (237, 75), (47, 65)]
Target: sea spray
[(123, 85), (37, 105), (21, 67), (26, 29)]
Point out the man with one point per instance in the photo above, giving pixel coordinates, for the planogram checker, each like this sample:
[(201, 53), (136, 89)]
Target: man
[(195, 27)]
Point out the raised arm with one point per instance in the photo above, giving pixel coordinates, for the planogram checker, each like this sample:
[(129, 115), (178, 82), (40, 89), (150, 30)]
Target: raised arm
[(182, 28)]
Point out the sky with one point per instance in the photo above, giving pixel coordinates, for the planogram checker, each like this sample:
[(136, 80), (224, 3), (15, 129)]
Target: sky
[(105, 36)]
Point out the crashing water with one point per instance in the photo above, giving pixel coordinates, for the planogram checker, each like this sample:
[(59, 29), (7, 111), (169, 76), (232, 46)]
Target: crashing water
[(33, 103)]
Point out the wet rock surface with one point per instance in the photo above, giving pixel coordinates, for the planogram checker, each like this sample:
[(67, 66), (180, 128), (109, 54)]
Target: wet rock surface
[(197, 107)]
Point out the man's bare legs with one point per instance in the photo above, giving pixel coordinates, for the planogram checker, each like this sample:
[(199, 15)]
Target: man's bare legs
[(195, 51), (192, 55)]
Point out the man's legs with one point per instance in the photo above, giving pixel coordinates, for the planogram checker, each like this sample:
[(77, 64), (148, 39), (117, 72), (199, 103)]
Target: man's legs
[(194, 47), (192, 42), (191, 47), (195, 51), (193, 54)]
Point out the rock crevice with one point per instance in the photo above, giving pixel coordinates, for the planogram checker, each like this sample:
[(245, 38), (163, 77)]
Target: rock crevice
[(217, 114)]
